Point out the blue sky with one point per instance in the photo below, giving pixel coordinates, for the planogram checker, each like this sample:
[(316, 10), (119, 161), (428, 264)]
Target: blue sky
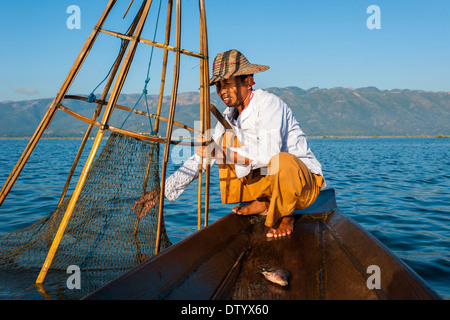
[(322, 43)]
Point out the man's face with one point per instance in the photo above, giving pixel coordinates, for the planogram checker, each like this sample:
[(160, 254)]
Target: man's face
[(232, 91)]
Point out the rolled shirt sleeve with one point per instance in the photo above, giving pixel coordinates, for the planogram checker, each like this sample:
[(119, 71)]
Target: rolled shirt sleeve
[(188, 172)]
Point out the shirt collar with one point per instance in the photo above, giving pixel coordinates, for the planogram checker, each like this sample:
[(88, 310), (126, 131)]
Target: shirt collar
[(248, 110), (229, 112)]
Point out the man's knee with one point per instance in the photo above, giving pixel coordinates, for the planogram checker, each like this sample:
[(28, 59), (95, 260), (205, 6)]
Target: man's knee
[(282, 161)]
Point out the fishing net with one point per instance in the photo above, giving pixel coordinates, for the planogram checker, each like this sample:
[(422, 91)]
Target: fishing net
[(103, 237)]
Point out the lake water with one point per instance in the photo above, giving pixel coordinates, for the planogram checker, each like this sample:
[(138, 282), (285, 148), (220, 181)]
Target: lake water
[(396, 188)]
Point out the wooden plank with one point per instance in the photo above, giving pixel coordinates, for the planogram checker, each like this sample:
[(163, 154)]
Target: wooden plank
[(296, 253), (398, 281), (343, 275)]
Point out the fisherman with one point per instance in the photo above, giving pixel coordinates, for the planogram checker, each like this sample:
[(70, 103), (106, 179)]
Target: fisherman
[(264, 158)]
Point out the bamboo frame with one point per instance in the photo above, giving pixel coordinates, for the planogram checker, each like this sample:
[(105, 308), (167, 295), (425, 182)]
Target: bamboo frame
[(164, 67), (173, 101), (139, 112), (158, 112), (116, 80), (206, 100), (48, 117), (152, 43), (99, 105), (202, 119), (129, 133), (113, 99)]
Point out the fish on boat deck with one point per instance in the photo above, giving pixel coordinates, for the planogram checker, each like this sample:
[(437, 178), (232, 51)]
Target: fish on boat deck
[(275, 275)]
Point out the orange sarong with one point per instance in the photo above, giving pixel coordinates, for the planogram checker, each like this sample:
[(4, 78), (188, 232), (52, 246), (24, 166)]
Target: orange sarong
[(289, 185)]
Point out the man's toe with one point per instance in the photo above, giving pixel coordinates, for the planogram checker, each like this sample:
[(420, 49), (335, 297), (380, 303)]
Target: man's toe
[(271, 233)]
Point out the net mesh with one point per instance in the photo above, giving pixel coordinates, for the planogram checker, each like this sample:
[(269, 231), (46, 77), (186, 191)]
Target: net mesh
[(100, 237)]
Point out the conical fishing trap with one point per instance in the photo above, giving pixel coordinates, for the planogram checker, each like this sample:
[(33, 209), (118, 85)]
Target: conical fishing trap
[(95, 228)]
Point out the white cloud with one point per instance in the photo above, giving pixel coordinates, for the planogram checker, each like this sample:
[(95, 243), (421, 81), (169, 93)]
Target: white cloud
[(28, 91)]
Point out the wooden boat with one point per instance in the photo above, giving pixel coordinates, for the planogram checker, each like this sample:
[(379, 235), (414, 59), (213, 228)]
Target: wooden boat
[(328, 256)]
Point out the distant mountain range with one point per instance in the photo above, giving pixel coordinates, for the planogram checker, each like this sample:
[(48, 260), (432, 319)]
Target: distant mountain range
[(321, 112)]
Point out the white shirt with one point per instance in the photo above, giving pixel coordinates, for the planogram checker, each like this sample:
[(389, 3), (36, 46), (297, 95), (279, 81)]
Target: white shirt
[(265, 128)]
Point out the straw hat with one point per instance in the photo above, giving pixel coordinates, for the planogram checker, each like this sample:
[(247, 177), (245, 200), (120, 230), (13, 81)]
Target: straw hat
[(233, 63)]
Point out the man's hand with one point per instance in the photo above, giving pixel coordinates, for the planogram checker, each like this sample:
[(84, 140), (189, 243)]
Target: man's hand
[(203, 151), (145, 203), (222, 154)]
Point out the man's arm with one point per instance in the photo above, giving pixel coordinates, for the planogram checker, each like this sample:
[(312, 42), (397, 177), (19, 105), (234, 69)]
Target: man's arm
[(175, 183), (221, 154)]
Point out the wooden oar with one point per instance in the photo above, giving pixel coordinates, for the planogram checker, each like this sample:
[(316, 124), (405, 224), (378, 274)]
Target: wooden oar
[(219, 117)]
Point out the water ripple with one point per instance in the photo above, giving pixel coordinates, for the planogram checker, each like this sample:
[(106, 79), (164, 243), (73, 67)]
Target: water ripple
[(398, 189)]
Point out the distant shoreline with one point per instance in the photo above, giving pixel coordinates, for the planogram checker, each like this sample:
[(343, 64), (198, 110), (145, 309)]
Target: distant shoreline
[(310, 137), (377, 137)]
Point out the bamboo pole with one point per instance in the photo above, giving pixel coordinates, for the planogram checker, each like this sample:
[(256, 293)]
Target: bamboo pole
[(160, 99), (200, 164), (129, 133), (144, 185), (202, 123), (204, 116), (113, 99), (152, 43), (97, 111), (199, 195), (139, 112), (164, 68), (126, 11), (206, 98), (205, 53), (46, 120), (173, 101)]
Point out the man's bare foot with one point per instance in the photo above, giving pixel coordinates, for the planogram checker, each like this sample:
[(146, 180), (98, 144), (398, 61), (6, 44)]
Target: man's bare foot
[(255, 207), (285, 228)]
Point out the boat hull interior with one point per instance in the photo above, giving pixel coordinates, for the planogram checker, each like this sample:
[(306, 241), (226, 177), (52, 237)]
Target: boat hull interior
[(328, 256)]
